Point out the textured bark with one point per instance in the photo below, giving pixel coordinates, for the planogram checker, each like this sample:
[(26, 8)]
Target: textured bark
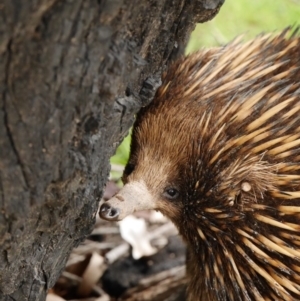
[(72, 75)]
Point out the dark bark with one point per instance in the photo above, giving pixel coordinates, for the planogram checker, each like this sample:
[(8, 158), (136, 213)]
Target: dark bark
[(73, 73)]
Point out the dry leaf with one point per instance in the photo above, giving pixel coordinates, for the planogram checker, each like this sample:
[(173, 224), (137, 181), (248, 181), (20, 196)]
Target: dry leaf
[(134, 231), (92, 274)]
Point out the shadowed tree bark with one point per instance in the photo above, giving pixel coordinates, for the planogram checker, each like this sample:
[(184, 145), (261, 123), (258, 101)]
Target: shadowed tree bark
[(73, 73)]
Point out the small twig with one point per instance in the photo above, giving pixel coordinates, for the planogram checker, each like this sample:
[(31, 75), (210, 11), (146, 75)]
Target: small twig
[(96, 289), (117, 252), (105, 230), (74, 258), (157, 285), (175, 273)]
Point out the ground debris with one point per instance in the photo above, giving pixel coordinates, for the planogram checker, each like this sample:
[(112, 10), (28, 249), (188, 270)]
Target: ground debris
[(102, 268)]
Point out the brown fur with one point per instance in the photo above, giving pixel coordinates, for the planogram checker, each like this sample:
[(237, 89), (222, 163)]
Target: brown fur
[(224, 130)]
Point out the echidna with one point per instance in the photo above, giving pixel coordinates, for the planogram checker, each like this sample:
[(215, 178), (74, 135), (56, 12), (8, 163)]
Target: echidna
[(218, 152)]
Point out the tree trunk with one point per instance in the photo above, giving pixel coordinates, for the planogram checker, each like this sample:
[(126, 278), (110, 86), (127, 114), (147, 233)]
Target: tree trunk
[(73, 74)]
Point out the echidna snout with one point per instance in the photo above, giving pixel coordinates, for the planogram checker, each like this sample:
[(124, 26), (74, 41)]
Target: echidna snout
[(131, 198), (109, 212)]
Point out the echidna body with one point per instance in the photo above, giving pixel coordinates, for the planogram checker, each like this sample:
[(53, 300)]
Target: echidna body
[(218, 152)]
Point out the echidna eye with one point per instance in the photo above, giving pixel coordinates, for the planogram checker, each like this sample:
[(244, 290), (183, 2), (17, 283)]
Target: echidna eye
[(171, 193)]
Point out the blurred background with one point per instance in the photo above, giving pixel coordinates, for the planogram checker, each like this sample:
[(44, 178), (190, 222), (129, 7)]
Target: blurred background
[(243, 17)]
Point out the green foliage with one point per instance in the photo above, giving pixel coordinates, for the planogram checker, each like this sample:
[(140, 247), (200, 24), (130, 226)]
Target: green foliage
[(236, 17), (119, 160), (122, 153), (244, 17)]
